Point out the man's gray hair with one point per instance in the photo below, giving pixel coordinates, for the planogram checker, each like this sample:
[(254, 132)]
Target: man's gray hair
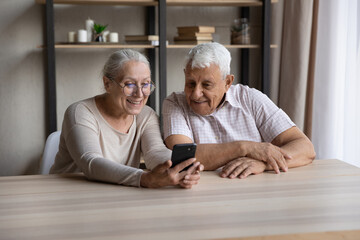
[(117, 60), (202, 55)]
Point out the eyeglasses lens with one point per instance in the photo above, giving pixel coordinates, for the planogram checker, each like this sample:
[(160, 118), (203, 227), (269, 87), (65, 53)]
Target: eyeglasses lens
[(131, 89)]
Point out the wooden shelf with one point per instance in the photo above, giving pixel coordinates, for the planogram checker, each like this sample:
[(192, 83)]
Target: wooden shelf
[(237, 46), (94, 46), (156, 10), (171, 46), (104, 2), (238, 3)]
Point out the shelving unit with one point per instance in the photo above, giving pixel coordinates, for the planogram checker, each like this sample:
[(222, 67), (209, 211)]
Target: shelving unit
[(93, 46), (161, 6), (234, 3), (237, 46), (103, 2)]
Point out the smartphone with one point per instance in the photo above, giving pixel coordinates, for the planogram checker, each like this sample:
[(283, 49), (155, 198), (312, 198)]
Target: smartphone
[(182, 152)]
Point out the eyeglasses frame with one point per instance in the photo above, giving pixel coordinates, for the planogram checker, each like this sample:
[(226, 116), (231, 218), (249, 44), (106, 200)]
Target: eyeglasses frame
[(137, 87)]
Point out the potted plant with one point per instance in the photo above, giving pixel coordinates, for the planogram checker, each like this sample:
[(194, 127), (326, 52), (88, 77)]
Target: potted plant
[(98, 31), (240, 31)]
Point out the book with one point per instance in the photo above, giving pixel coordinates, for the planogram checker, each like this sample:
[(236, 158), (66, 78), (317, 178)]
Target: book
[(186, 38), (191, 42), (129, 38), (194, 34), (199, 29)]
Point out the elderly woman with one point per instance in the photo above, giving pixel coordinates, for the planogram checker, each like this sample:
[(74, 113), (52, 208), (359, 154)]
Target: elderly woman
[(105, 136)]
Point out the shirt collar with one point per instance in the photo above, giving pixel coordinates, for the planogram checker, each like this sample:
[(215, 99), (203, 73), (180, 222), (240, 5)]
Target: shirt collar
[(230, 98)]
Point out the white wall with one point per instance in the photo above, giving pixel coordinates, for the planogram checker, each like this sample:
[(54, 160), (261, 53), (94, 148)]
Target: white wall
[(22, 120), (78, 72)]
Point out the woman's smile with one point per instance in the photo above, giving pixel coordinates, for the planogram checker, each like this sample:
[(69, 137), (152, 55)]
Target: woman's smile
[(138, 102)]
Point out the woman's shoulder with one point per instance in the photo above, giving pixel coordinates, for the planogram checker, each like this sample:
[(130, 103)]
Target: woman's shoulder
[(146, 116), (83, 111), (85, 105), (146, 112)]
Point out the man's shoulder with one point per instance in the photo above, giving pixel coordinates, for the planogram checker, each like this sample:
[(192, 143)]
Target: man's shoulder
[(176, 97), (239, 89), (174, 101), (243, 93), (237, 95)]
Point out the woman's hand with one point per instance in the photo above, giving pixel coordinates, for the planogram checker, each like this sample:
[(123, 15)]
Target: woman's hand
[(162, 175), (242, 167), (270, 154)]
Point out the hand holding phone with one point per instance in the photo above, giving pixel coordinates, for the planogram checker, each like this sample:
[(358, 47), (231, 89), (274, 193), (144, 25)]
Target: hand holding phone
[(182, 152)]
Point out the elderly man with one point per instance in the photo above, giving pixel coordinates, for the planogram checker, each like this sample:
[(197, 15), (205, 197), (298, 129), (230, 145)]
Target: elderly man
[(235, 127)]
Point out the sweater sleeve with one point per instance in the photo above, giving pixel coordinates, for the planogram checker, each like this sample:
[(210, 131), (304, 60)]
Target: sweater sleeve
[(82, 141), (153, 148)]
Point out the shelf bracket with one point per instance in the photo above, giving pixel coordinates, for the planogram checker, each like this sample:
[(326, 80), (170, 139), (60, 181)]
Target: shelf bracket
[(151, 53), (265, 73), (50, 57), (162, 52), (245, 56)]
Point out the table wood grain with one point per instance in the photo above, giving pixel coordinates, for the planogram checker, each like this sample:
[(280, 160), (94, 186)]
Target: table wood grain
[(319, 198)]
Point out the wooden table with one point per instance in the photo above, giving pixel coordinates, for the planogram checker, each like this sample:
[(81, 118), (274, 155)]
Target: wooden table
[(321, 197)]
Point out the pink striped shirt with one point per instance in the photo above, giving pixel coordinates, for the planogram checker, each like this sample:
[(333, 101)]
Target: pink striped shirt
[(246, 114)]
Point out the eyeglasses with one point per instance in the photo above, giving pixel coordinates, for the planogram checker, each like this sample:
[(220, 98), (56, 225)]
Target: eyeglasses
[(130, 88)]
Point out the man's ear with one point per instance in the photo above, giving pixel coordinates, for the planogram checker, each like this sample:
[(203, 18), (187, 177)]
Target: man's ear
[(107, 83), (229, 80)]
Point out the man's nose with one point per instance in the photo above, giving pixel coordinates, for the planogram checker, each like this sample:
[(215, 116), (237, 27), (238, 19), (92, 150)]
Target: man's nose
[(198, 91)]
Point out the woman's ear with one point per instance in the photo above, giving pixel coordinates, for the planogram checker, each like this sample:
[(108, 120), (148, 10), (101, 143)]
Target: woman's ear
[(107, 83), (228, 81)]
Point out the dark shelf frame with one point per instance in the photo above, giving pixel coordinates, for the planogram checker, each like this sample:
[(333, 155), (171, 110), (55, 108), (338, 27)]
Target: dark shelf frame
[(265, 48), (151, 53), (244, 65), (51, 66), (50, 71), (162, 88)]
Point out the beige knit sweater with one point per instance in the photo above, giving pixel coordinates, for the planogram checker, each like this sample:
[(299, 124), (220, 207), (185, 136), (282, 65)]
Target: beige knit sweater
[(90, 145)]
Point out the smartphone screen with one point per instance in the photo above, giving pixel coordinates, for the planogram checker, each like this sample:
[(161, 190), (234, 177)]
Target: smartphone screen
[(182, 152)]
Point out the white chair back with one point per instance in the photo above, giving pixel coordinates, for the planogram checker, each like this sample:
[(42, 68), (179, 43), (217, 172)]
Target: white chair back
[(50, 150)]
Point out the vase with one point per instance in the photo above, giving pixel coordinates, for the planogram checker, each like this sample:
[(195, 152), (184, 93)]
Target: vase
[(98, 37)]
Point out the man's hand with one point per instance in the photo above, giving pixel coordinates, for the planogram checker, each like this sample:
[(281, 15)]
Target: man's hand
[(242, 167), (268, 153), (162, 175), (193, 176)]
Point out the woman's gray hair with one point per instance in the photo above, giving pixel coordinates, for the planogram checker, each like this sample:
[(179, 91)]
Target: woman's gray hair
[(117, 60), (202, 55)]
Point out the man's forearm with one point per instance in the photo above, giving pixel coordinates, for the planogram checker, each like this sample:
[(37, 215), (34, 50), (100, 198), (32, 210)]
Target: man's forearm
[(297, 145), (302, 152), (213, 156)]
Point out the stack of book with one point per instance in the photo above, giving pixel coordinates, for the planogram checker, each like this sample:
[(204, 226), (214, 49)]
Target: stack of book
[(142, 39), (194, 34)]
